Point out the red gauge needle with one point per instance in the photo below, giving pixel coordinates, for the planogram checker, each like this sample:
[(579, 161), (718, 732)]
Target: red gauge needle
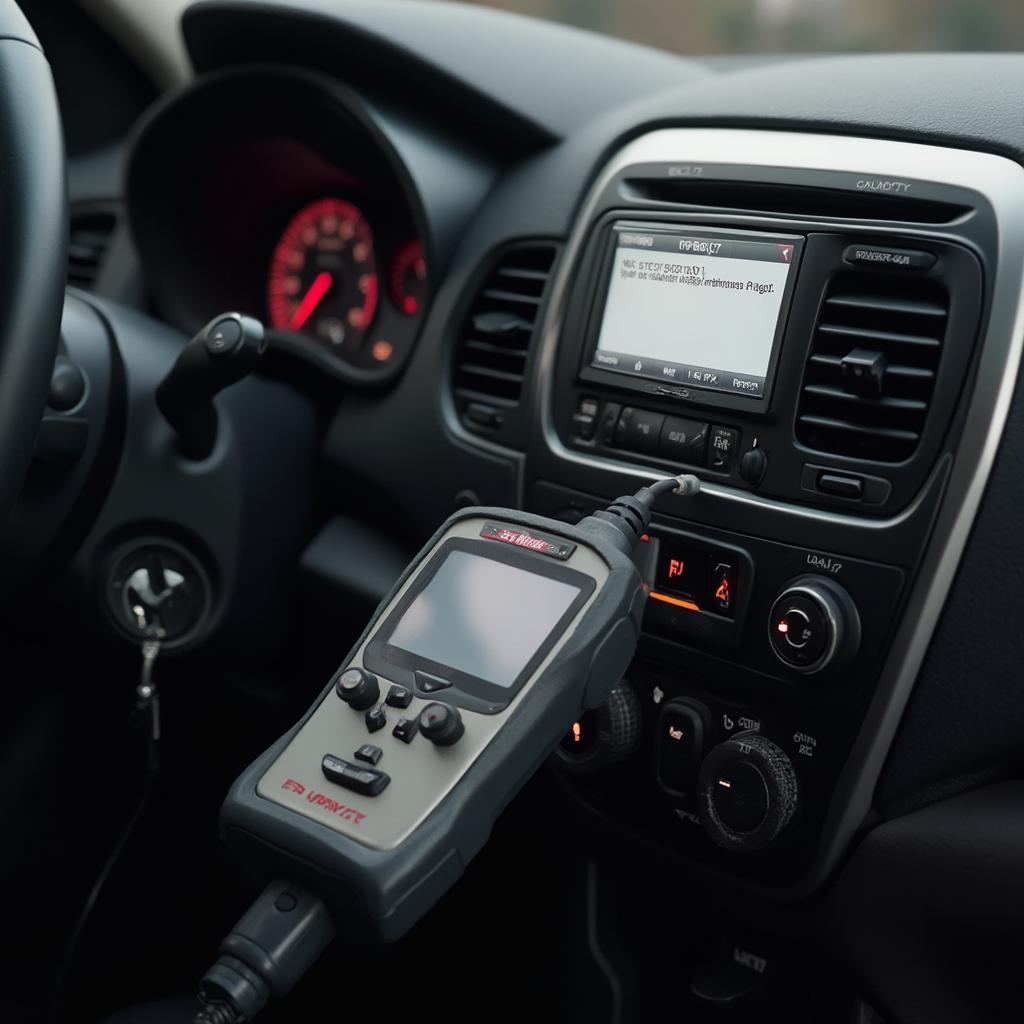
[(317, 290)]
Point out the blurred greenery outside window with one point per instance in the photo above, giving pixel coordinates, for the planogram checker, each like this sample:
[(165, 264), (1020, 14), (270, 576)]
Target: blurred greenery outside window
[(791, 26)]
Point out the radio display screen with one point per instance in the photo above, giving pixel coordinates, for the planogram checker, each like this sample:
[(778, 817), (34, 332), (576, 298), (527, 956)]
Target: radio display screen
[(696, 310)]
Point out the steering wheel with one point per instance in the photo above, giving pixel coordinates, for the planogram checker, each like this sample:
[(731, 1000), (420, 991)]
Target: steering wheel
[(33, 243)]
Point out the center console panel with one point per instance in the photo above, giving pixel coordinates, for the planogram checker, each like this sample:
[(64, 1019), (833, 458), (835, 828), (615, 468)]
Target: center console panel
[(790, 602)]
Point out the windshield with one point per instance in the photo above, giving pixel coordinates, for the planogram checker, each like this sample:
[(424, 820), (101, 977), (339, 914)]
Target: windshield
[(792, 26)]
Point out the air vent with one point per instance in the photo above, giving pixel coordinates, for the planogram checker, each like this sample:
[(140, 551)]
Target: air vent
[(495, 341), (91, 231), (872, 367)]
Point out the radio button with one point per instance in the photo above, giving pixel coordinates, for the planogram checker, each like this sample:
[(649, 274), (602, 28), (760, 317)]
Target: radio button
[(683, 440), (639, 430), (889, 259), (722, 448), (608, 422), (584, 420)]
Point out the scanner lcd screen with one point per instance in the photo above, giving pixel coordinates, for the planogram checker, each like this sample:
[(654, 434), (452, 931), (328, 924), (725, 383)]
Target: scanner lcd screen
[(482, 617)]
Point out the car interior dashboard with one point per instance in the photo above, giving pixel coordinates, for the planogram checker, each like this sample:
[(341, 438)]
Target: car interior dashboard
[(507, 264)]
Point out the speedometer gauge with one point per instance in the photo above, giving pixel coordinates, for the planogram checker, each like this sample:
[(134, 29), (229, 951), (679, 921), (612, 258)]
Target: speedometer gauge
[(323, 275)]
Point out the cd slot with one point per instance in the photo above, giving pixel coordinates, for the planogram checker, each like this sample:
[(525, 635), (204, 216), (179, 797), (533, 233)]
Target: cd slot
[(769, 198)]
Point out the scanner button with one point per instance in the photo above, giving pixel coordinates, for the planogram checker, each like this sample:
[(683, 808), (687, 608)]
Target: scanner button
[(367, 781), (369, 753), (376, 719), (399, 697), (406, 729), (427, 683)]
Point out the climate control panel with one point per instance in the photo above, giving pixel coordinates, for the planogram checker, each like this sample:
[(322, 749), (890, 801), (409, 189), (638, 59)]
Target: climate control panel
[(745, 698)]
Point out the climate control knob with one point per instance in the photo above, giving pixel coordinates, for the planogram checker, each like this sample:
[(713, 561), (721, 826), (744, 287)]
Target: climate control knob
[(747, 792), (814, 626)]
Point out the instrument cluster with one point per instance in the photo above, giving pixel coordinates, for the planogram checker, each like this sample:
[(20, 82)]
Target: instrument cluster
[(275, 194)]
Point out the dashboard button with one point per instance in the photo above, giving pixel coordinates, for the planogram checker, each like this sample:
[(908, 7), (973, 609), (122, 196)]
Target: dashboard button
[(722, 447), (584, 420), (889, 259), (639, 430), (608, 422), (753, 466), (841, 486), (680, 746), (683, 440)]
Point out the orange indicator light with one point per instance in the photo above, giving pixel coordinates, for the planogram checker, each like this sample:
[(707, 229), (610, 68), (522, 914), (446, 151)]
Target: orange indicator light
[(576, 731), (382, 350), (679, 602)]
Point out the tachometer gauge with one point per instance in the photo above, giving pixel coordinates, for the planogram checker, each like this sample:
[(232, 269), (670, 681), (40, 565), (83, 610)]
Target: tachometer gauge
[(407, 279), (323, 275)]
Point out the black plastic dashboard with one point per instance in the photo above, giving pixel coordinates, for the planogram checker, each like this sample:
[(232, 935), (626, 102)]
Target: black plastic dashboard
[(513, 187), (527, 188)]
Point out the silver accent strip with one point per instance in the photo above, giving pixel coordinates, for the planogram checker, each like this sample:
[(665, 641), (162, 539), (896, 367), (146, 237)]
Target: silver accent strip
[(1001, 182)]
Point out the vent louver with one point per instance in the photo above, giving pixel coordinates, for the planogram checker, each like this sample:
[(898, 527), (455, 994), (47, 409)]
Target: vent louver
[(91, 232), (496, 338), (872, 367)]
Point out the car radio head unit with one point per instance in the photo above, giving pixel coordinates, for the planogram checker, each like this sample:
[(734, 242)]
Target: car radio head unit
[(692, 313)]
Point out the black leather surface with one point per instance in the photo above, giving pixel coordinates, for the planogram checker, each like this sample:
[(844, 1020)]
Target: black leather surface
[(931, 907), (965, 719), (33, 243)]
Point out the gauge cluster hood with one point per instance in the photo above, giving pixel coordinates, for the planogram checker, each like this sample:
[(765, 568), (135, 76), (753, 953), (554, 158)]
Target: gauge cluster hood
[(456, 58)]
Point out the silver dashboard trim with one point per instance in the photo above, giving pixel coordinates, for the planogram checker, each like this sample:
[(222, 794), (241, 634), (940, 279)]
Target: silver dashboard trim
[(1001, 182)]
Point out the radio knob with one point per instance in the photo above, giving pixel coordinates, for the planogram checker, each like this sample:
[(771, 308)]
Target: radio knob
[(603, 735), (358, 688), (747, 792), (814, 626), (441, 724)]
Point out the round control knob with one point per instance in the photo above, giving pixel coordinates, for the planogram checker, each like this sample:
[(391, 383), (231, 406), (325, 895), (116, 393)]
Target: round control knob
[(358, 688), (814, 626), (602, 735), (748, 792), (441, 724)]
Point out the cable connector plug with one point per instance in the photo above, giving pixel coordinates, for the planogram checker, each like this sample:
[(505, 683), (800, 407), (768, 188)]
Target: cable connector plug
[(626, 519), (266, 953)]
